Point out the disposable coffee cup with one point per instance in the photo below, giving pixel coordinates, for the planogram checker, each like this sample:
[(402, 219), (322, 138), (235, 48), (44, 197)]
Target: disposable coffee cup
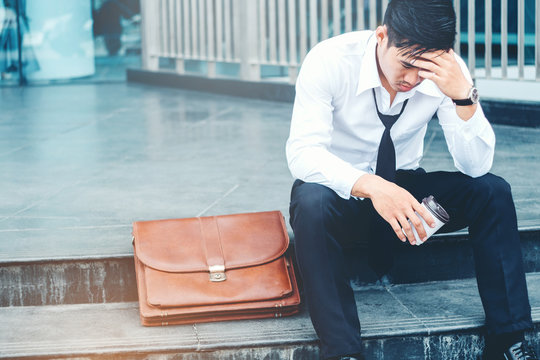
[(440, 216)]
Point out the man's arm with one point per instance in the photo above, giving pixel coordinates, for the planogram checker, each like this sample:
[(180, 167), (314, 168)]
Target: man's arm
[(312, 126), (469, 135)]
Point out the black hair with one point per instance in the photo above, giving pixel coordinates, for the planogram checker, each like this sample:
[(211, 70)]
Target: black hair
[(419, 26)]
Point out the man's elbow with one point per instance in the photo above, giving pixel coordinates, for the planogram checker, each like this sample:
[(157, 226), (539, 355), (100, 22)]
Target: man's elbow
[(476, 171), (292, 153)]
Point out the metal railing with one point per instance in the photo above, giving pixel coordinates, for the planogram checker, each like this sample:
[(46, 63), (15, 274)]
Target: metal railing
[(257, 33)]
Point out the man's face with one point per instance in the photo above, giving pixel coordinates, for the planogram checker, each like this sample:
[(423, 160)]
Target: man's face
[(396, 70)]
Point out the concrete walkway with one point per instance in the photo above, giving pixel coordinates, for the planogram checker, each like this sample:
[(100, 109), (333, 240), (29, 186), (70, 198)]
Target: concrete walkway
[(80, 163)]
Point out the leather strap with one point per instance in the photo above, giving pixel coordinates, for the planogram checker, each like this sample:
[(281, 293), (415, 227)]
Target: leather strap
[(463, 102), (211, 242)]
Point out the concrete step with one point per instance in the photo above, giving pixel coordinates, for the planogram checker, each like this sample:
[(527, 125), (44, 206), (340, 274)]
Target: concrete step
[(443, 257), (102, 279), (437, 320), (107, 279)]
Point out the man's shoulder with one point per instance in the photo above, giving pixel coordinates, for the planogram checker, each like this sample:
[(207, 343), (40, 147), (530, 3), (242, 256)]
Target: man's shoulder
[(351, 43), (335, 60)]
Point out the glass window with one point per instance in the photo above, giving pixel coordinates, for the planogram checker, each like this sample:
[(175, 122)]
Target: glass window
[(9, 43), (66, 40)]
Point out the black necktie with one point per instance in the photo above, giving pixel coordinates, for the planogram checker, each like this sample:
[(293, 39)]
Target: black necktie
[(386, 158)]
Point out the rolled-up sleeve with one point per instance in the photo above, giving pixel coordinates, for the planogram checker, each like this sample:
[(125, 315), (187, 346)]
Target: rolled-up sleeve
[(472, 142), (311, 128)]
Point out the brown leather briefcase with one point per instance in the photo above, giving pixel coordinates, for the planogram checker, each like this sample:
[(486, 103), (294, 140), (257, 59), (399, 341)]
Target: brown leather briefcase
[(214, 268)]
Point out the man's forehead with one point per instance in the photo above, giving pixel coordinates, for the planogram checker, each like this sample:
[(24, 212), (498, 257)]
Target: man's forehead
[(409, 55)]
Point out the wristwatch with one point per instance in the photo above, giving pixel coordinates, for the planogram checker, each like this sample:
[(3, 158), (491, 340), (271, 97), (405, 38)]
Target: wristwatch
[(471, 99)]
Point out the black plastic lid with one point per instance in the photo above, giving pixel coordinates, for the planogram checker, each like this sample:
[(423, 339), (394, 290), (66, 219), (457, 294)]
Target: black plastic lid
[(436, 209)]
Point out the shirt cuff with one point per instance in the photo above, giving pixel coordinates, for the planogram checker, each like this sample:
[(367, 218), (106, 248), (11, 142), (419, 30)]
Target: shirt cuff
[(346, 181), (474, 126)]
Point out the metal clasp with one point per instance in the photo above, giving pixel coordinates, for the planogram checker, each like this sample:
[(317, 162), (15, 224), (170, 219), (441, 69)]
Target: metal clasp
[(217, 273)]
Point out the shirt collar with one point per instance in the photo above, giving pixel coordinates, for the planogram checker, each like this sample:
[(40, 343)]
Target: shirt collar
[(369, 74)]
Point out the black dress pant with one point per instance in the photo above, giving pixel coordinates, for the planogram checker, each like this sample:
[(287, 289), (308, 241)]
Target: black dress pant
[(325, 224)]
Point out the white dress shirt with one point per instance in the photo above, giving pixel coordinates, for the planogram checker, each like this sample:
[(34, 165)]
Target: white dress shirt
[(335, 129)]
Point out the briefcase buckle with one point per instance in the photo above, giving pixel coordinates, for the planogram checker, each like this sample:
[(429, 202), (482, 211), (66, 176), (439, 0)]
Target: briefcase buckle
[(217, 273)]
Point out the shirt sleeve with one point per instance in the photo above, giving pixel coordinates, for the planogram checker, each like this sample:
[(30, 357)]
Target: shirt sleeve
[(471, 143), (311, 129)]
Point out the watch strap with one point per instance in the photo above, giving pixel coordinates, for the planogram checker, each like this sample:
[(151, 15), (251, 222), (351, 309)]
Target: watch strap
[(470, 100), (463, 102)]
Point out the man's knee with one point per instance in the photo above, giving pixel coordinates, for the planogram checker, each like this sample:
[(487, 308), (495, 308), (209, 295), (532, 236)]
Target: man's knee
[(490, 197), (311, 200), (491, 187)]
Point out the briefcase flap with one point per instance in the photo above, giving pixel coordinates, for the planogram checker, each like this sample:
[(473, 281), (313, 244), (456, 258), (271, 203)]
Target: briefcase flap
[(197, 244)]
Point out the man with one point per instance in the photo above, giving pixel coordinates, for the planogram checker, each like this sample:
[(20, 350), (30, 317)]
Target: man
[(363, 101)]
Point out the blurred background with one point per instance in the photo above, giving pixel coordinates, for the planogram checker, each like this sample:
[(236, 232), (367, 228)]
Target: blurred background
[(51, 41), (44, 41)]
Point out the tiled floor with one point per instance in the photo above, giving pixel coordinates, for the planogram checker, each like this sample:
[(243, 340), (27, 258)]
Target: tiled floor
[(79, 163)]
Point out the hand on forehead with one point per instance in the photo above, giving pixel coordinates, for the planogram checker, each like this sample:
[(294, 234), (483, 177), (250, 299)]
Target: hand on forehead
[(431, 60), (434, 57)]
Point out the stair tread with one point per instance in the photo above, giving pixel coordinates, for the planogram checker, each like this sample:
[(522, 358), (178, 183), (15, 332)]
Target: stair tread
[(105, 252), (393, 311)]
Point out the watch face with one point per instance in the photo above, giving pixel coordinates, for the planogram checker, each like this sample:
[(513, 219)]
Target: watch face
[(474, 95)]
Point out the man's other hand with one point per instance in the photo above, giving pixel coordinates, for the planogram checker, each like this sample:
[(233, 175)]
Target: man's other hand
[(443, 69), (395, 205)]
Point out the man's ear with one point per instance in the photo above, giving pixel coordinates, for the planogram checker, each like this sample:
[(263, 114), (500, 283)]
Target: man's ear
[(381, 33)]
